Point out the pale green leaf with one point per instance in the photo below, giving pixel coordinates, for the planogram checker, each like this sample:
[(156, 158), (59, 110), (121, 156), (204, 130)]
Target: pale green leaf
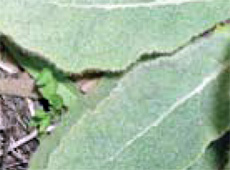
[(208, 161), (107, 35), (215, 156), (162, 115), (76, 110), (76, 102), (44, 72)]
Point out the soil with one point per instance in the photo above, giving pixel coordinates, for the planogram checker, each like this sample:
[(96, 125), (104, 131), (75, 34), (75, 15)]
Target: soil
[(14, 117)]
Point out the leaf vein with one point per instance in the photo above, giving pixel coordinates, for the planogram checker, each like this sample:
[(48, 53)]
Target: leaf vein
[(124, 6), (206, 81)]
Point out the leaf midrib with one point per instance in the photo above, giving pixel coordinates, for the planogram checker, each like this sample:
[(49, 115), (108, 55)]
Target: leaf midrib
[(198, 89), (125, 5)]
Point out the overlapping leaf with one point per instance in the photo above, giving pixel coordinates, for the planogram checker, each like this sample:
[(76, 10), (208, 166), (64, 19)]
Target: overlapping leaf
[(76, 111), (215, 156), (161, 115), (80, 35), (76, 102), (208, 161)]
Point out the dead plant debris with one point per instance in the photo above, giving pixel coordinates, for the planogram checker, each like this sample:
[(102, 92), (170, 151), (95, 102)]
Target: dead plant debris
[(16, 89)]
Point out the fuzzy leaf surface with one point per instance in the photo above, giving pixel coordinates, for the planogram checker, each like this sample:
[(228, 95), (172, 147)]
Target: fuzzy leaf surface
[(76, 102), (156, 112), (215, 156), (208, 161), (81, 35)]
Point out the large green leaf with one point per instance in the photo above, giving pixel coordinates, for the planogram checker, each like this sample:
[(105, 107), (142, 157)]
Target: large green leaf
[(215, 156), (76, 111), (208, 161), (76, 102), (161, 115), (227, 167), (108, 35)]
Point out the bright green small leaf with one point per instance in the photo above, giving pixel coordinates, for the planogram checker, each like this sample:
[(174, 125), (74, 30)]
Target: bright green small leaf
[(107, 35), (41, 120), (49, 90), (40, 114), (56, 101), (44, 77), (49, 85), (44, 124), (33, 123)]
